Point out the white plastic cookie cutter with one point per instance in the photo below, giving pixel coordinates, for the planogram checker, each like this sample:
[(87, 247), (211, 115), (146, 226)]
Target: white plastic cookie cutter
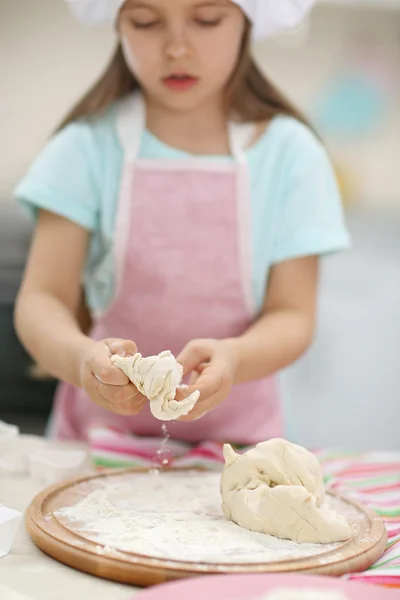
[(46, 462), (54, 464), (10, 520), (14, 449)]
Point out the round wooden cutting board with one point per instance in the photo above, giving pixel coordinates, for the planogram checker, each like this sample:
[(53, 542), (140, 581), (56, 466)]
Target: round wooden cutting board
[(80, 551)]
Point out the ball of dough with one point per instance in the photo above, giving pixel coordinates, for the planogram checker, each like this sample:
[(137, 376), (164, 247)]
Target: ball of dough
[(277, 488), (157, 378)]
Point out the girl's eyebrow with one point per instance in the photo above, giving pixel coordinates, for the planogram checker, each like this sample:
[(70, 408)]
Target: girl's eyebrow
[(139, 5), (213, 3), (144, 4)]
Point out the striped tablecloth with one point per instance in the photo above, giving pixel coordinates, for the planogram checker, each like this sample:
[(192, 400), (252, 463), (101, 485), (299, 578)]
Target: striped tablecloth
[(370, 478)]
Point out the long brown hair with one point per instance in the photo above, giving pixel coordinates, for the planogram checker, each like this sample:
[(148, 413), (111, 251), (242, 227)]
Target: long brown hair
[(251, 96)]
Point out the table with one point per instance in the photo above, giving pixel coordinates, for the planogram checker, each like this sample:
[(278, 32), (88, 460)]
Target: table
[(29, 574), (372, 478)]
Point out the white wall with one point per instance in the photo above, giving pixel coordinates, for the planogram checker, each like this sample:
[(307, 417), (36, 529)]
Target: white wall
[(47, 61)]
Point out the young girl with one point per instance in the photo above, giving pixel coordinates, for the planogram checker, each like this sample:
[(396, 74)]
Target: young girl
[(190, 202)]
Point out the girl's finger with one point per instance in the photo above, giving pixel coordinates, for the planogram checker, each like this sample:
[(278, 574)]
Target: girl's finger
[(103, 369), (129, 402), (194, 377), (208, 383), (116, 394), (192, 356), (184, 392), (121, 347)]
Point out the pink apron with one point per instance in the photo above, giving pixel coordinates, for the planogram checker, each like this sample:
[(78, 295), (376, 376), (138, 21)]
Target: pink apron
[(183, 271)]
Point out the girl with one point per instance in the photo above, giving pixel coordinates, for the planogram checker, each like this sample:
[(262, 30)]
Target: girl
[(190, 201)]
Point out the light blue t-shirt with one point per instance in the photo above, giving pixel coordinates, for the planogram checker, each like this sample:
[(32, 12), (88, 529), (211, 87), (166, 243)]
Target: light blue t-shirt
[(296, 209)]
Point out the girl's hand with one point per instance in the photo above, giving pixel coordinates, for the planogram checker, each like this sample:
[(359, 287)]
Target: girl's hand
[(212, 364), (107, 385)]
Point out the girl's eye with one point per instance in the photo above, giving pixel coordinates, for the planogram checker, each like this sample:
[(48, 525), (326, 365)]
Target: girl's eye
[(144, 25), (213, 23)]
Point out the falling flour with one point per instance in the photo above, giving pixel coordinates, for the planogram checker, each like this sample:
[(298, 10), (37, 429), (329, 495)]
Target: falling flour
[(176, 516), (163, 451)]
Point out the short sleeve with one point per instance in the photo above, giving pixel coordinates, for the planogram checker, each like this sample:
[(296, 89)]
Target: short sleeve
[(310, 219), (62, 179)]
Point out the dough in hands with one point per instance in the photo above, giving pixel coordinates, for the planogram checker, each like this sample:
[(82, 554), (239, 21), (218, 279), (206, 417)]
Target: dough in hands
[(157, 378), (277, 488)]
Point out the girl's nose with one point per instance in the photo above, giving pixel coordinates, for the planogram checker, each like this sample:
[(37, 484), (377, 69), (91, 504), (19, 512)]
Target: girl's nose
[(177, 45)]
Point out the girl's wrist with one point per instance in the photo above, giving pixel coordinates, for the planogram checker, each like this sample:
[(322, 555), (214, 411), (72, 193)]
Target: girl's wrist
[(234, 347), (82, 349)]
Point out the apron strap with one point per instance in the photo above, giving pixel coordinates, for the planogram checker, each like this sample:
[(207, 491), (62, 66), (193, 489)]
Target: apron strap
[(131, 121), (240, 136)]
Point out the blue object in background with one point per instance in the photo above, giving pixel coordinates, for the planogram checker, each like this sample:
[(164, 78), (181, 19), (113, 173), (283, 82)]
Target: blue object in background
[(353, 106)]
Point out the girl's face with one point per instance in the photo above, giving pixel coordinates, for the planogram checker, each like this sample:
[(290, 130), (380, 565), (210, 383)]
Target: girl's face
[(183, 52)]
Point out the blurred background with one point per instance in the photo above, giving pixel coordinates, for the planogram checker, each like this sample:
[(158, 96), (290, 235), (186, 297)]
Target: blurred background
[(343, 68)]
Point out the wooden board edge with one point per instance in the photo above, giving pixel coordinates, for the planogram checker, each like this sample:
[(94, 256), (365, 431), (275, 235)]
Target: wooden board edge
[(144, 575), (140, 572)]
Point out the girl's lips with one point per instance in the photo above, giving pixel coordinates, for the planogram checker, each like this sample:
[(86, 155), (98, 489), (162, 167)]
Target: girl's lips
[(180, 83)]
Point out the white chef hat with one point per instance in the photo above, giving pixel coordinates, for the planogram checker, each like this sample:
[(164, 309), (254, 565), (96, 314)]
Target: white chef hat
[(269, 17)]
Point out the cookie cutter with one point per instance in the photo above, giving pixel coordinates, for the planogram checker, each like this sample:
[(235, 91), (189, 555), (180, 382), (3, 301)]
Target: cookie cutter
[(44, 461), (54, 463), (15, 448), (10, 520)]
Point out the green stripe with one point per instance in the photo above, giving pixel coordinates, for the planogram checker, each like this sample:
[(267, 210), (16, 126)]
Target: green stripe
[(376, 480), (391, 567), (110, 463), (385, 562), (393, 542), (388, 513), (327, 479)]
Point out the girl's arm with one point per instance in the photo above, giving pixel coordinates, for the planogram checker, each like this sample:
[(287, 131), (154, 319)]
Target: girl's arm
[(286, 328), (49, 297), (46, 318)]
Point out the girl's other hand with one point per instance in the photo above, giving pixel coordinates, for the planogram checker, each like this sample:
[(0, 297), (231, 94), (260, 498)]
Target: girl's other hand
[(107, 385), (212, 365)]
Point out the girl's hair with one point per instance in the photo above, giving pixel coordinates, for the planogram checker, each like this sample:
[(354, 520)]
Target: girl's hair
[(251, 97)]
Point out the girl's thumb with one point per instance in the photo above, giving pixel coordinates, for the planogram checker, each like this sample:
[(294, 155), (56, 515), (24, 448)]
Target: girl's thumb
[(121, 347)]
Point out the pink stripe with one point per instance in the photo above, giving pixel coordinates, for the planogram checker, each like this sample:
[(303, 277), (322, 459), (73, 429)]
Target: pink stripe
[(128, 441), (203, 452), (392, 563), (370, 468), (377, 503), (387, 488), (212, 447), (344, 460), (376, 580), (365, 477), (370, 500), (393, 532), (124, 442), (340, 485), (122, 450)]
